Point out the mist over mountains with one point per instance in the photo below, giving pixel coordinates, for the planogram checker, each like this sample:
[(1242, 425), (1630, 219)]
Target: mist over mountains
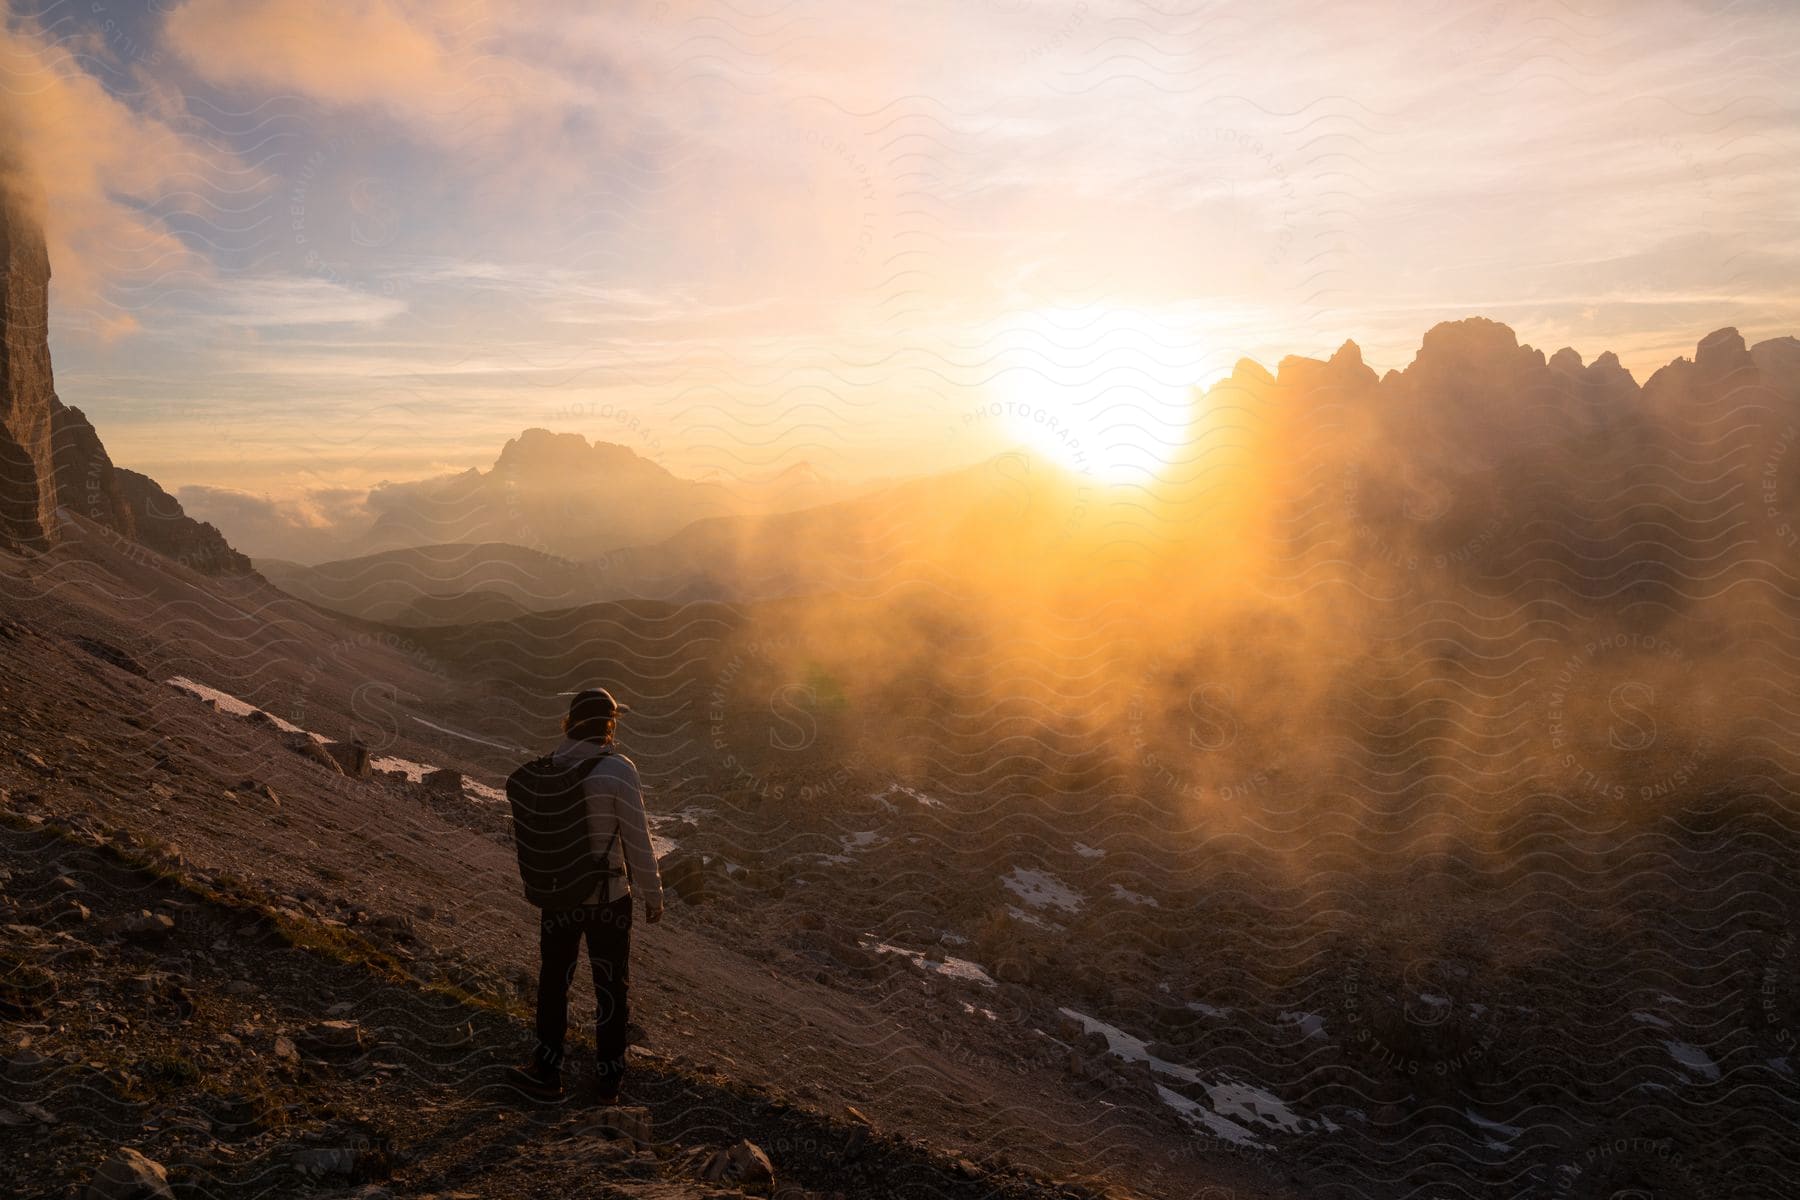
[(554, 493), (1341, 792)]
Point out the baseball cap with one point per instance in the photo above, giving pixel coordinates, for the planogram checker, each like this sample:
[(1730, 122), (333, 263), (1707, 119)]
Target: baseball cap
[(594, 704)]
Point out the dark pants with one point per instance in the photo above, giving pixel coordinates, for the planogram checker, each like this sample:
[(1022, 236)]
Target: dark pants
[(607, 928)]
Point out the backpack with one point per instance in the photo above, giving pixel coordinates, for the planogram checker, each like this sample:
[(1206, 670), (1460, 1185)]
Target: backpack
[(550, 831)]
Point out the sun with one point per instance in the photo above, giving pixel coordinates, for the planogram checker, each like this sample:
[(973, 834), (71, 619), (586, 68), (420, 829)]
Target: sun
[(1107, 393)]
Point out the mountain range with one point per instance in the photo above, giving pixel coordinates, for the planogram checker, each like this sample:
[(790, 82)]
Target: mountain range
[(1395, 797), (555, 493)]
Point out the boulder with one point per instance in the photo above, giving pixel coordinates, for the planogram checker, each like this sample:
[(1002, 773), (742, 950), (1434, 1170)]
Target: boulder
[(107, 652), (685, 875), (145, 925), (25, 1113), (629, 1122), (308, 747), (321, 1161), (1013, 969), (743, 1164), (443, 782), (328, 1039), (128, 1175), (352, 758)]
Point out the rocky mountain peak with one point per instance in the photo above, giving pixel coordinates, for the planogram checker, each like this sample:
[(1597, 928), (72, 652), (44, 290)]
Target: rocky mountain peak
[(1722, 351), (52, 463), (539, 450), (27, 393)]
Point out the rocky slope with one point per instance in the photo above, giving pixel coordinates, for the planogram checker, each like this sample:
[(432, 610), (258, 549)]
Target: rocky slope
[(1043, 984), (94, 737), (52, 463), (173, 1031)]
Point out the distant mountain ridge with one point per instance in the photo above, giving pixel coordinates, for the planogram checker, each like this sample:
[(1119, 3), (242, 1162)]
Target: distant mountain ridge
[(553, 492), (1460, 462)]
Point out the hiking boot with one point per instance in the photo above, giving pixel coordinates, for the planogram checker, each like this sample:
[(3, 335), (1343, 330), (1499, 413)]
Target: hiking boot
[(536, 1080), (602, 1089)]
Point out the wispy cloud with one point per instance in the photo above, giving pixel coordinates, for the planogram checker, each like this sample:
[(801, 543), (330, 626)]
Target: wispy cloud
[(277, 303), (505, 213)]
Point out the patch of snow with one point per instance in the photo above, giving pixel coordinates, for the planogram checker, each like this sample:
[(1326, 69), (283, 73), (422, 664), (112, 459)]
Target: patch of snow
[(1477, 1010), (1207, 1010), (1781, 1064), (692, 812), (1491, 1127), (861, 841), (1249, 1103), (834, 860), (1024, 918), (227, 703), (1087, 851), (1311, 1024), (1040, 889), (1502, 1133), (1232, 1101), (913, 794), (415, 772), (974, 1011), (1202, 1117), (1435, 1001), (951, 968), (1121, 892), (1644, 1018), (1694, 1059), (484, 793), (662, 843), (1132, 1049)]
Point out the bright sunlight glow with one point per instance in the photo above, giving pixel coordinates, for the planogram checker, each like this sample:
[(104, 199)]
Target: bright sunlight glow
[(1104, 392)]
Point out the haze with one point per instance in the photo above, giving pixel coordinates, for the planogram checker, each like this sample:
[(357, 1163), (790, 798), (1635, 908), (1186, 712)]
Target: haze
[(302, 248)]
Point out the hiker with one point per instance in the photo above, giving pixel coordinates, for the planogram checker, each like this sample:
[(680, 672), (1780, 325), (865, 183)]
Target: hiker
[(584, 849)]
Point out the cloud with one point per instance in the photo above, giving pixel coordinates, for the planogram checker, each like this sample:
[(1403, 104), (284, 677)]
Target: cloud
[(102, 175), (431, 68), (288, 301), (306, 528)]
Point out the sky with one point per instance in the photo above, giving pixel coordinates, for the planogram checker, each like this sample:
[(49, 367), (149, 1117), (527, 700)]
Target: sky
[(301, 246)]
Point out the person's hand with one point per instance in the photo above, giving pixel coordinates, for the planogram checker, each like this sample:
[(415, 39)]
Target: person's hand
[(653, 912)]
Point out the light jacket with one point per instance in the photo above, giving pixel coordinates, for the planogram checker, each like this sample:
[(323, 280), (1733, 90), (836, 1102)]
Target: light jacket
[(615, 810)]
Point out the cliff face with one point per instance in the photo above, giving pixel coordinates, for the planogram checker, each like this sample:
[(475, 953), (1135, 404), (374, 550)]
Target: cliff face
[(51, 459), (160, 524), (27, 397)]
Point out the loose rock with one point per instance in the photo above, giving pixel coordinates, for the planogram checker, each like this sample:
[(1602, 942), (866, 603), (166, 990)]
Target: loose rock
[(128, 1175), (744, 1164)]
